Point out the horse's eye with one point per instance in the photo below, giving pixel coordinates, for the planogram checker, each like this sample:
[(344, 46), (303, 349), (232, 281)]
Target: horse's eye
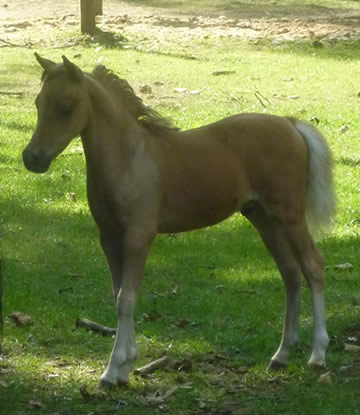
[(65, 108)]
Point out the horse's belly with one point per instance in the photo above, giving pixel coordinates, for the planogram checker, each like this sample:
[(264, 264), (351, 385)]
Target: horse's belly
[(201, 187), (193, 213)]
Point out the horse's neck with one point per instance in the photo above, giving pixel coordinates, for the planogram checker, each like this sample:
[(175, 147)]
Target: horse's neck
[(111, 132)]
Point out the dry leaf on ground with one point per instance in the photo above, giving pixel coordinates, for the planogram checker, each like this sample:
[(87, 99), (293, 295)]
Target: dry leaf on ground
[(20, 319), (341, 267)]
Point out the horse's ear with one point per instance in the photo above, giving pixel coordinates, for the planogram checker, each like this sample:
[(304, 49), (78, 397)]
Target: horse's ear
[(74, 71), (46, 64)]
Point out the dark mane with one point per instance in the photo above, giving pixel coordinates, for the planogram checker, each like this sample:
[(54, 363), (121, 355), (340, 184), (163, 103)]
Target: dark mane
[(120, 88)]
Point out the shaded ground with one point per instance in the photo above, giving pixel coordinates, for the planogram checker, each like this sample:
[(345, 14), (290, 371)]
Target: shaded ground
[(30, 22)]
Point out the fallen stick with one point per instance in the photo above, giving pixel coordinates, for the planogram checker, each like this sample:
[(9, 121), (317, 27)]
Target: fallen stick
[(152, 366), (159, 400), (98, 328)]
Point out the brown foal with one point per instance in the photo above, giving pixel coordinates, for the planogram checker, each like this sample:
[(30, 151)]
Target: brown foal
[(145, 177)]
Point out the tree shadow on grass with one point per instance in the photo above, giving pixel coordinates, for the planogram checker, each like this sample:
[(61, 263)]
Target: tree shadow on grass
[(58, 253), (107, 39), (63, 273), (56, 275), (190, 278), (46, 241)]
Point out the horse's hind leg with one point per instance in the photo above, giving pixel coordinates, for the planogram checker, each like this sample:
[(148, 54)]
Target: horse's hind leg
[(277, 243), (312, 267), (295, 252), (311, 263)]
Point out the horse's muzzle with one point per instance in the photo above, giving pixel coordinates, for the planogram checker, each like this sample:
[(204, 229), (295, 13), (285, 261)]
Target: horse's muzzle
[(36, 161)]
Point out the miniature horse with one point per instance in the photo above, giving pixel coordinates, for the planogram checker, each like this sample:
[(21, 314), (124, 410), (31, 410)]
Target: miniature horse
[(145, 177)]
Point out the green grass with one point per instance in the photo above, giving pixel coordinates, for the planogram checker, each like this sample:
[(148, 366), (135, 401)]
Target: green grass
[(220, 279)]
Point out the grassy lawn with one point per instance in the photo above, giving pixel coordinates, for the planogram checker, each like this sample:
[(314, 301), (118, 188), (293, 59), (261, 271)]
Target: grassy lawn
[(212, 300)]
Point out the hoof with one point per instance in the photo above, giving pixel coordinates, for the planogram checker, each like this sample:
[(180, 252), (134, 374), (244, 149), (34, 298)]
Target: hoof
[(113, 378), (105, 384), (276, 365), (316, 366)]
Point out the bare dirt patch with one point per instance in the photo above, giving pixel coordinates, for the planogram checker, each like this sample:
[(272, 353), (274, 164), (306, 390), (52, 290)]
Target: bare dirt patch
[(29, 22)]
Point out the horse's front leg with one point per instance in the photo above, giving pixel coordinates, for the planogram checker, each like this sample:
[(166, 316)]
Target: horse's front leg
[(112, 244), (127, 266)]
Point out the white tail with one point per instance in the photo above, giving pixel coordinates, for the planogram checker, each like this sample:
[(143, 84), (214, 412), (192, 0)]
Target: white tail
[(320, 201)]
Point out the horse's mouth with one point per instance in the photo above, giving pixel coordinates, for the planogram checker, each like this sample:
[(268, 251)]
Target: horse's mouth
[(36, 161)]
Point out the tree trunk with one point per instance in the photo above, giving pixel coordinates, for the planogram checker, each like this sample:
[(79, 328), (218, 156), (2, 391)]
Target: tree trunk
[(98, 7), (87, 10)]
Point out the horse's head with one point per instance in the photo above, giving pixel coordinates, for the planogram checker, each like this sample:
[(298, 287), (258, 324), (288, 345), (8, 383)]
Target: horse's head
[(62, 109)]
